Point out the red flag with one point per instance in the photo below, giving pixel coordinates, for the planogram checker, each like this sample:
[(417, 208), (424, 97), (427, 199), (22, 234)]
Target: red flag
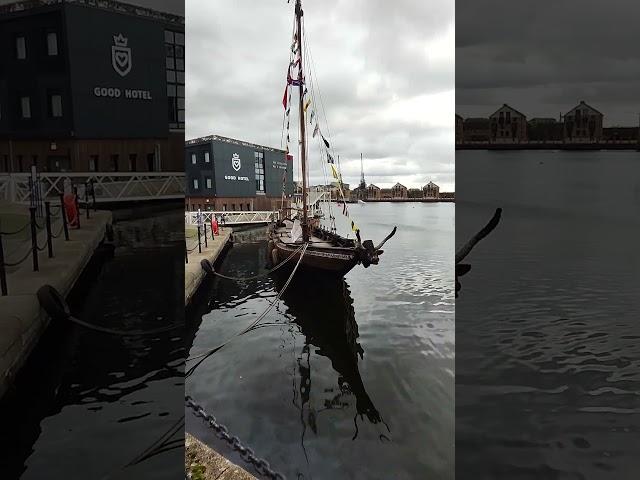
[(289, 157), (284, 99)]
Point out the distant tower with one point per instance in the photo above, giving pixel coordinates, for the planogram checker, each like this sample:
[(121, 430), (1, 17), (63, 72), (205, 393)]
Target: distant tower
[(363, 185)]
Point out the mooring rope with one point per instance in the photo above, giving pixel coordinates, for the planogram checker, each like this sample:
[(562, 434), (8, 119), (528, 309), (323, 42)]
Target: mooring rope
[(204, 356), (260, 275)]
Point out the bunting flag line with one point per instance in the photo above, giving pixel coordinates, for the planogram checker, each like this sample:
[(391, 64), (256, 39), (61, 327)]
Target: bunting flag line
[(329, 158), (334, 171), (311, 117), (316, 130), (284, 98), (325, 141), (306, 105)]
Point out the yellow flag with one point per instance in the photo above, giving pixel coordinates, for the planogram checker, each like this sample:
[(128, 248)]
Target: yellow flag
[(306, 105), (334, 171)]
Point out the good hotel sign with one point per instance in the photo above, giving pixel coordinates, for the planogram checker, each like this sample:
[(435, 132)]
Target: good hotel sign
[(121, 61)]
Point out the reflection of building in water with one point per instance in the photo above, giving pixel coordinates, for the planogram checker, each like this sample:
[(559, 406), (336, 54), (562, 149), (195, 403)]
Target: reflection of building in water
[(326, 317)]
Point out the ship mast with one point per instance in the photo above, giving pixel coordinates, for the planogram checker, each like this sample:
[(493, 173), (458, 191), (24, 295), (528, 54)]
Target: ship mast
[(303, 141)]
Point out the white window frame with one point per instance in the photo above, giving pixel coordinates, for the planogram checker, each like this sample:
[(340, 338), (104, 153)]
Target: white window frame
[(56, 109), (193, 159), (21, 47), (25, 105), (195, 184), (209, 182), (52, 44), (206, 157)]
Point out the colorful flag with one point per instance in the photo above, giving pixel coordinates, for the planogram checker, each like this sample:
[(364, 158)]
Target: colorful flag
[(284, 98), (334, 172), (325, 141), (316, 130), (306, 105), (329, 158), (311, 117)]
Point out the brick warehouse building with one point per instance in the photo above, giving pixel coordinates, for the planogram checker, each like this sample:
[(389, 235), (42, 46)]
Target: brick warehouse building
[(114, 103), (224, 174)]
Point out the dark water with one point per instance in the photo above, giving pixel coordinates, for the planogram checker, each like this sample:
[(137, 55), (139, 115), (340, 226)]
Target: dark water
[(345, 380), (547, 330), (88, 403)]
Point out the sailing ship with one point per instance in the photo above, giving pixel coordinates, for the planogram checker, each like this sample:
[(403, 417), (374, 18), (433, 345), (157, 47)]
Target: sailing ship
[(326, 251)]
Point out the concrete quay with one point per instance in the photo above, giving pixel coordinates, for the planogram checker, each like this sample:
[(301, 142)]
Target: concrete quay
[(22, 321), (202, 463), (193, 272)]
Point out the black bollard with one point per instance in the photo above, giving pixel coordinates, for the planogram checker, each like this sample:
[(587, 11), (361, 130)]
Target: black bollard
[(199, 244), (205, 236), (3, 273), (64, 217), (34, 238), (47, 209)]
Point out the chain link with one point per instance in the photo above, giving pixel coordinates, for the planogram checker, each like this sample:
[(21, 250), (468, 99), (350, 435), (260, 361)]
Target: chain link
[(260, 464)]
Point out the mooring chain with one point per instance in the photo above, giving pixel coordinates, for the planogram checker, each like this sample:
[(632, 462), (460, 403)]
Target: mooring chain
[(248, 455)]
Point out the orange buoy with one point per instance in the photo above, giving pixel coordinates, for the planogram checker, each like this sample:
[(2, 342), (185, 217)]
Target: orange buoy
[(70, 209)]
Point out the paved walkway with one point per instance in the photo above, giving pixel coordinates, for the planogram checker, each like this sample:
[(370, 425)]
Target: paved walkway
[(193, 273), (22, 321)]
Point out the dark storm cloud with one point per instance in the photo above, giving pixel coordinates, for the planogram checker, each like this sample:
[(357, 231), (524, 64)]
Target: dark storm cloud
[(385, 72), (544, 57)]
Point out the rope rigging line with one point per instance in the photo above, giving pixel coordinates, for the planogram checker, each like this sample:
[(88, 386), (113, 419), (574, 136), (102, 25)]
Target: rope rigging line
[(203, 356), (260, 275)]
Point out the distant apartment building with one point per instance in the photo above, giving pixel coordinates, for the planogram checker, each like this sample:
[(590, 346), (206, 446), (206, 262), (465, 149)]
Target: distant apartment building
[(544, 130), (620, 134), (508, 125), (399, 191), (431, 190), (386, 194), (373, 192), (583, 124), (90, 86), (476, 130), (414, 193), (335, 191), (459, 129)]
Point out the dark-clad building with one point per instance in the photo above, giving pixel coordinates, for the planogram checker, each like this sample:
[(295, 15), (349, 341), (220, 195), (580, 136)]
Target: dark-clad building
[(90, 86), (224, 174), (544, 130)]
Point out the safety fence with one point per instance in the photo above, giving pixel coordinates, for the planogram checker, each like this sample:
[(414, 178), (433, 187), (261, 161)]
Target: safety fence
[(230, 217), (46, 222), (191, 244)]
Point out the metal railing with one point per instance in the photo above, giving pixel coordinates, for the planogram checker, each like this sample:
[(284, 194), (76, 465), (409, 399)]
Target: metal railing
[(46, 222), (107, 186), (231, 218)]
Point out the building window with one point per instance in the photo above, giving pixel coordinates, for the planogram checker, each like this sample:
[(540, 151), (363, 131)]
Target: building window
[(193, 158), (233, 207), (174, 64), (150, 162), (208, 182), (248, 207), (52, 44), (93, 163), (132, 162), (195, 184), (259, 167), (114, 163), (55, 105), (206, 157), (25, 104), (21, 48)]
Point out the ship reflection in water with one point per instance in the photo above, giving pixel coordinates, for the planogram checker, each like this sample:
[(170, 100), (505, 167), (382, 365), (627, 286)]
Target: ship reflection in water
[(324, 312)]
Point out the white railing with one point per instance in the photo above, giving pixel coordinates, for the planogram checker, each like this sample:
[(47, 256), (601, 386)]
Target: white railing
[(108, 186), (232, 218)]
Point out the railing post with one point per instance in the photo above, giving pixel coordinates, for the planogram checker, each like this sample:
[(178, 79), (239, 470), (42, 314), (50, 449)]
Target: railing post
[(199, 244), (86, 198), (47, 209), (205, 236), (64, 217), (186, 252), (77, 203), (34, 238), (3, 273), (93, 195)]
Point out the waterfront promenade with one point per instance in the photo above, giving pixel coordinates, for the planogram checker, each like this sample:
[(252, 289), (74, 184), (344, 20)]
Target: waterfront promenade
[(193, 272), (22, 321)]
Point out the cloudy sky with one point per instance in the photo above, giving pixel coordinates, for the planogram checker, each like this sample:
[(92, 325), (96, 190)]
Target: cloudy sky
[(385, 71), (542, 58)]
